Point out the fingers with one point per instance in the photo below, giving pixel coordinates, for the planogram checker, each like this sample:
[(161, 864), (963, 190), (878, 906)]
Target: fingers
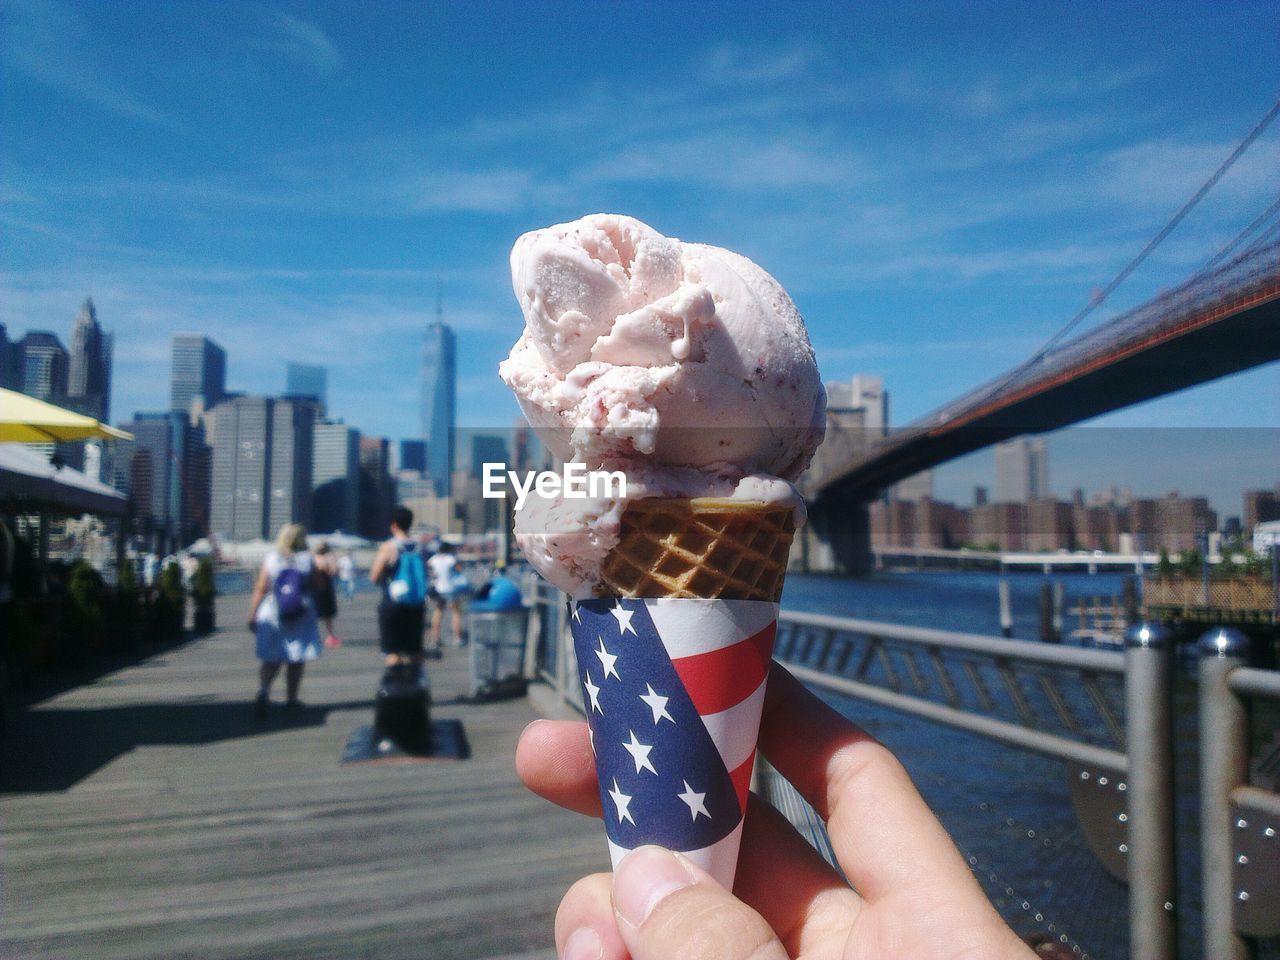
[(796, 891), (884, 835), (667, 907), (554, 760), (779, 874), (585, 925)]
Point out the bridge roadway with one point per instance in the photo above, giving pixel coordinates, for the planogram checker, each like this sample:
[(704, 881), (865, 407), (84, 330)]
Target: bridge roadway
[(148, 814), (1045, 561), (1210, 327)]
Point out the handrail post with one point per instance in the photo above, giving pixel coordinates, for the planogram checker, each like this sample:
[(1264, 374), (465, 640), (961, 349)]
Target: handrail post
[(1224, 763), (1148, 711)]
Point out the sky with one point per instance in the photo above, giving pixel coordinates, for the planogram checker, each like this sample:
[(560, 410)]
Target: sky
[(939, 186)]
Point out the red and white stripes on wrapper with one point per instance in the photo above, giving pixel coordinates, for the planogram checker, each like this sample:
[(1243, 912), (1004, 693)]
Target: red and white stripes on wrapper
[(673, 690)]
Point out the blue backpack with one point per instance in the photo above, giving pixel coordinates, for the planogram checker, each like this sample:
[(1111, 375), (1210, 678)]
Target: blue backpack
[(409, 585), (289, 589)]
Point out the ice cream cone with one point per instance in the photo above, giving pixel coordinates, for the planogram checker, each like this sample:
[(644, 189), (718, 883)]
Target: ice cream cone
[(673, 660), (707, 548)]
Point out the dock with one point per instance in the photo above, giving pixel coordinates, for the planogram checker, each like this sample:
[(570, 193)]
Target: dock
[(147, 813)]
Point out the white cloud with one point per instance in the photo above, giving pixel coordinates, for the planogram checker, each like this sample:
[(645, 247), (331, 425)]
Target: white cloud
[(53, 44), (307, 42)]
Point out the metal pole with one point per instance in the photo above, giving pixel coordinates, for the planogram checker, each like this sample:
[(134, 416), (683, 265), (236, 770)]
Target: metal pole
[(1224, 762), (1148, 711), (1006, 609)]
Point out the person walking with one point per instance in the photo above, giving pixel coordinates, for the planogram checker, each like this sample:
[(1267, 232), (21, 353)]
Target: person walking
[(398, 570), (282, 616), (326, 568), (447, 586), (347, 574)]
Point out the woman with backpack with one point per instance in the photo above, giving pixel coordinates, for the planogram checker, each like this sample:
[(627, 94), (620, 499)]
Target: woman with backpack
[(282, 616)]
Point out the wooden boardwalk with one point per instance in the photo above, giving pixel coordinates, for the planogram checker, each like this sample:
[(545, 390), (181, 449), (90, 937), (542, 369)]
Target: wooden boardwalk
[(148, 814)]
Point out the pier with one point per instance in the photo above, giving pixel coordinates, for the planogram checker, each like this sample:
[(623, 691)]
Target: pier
[(148, 814)]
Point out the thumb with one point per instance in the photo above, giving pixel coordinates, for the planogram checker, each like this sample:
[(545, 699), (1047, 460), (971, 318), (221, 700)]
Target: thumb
[(668, 907)]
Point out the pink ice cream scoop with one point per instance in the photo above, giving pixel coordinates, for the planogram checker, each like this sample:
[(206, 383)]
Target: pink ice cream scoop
[(639, 346), (685, 366)]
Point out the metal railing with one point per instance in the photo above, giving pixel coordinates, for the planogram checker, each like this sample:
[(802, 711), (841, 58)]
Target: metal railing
[(1059, 702), (1239, 822), (1044, 698)]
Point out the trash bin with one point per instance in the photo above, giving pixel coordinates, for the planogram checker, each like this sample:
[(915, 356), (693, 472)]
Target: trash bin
[(496, 624)]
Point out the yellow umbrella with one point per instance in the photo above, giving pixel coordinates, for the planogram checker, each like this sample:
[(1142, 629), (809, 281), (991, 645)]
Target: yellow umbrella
[(25, 419)]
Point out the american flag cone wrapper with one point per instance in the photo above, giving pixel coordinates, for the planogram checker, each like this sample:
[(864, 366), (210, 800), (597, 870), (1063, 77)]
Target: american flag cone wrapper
[(673, 690)]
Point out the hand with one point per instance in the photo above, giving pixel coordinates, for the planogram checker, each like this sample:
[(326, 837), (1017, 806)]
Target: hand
[(915, 897)]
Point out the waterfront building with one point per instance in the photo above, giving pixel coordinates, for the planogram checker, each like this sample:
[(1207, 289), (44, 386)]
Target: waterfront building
[(914, 488), (1050, 526), (149, 469), (377, 488), (89, 365), (487, 448), (335, 475), (44, 362), (199, 369), (1022, 470), (292, 451), (308, 380), (1098, 526), (1260, 506), (999, 525), (413, 456), (1184, 523), (439, 399), (922, 524), (262, 453), (10, 361), (241, 454)]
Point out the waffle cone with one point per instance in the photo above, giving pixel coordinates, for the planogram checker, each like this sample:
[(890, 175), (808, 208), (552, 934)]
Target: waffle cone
[(707, 548)]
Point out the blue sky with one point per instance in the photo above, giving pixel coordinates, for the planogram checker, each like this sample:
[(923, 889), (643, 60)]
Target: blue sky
[(939, 186)]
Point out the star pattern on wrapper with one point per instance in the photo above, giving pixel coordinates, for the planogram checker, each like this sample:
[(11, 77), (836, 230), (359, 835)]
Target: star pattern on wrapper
[(576, 612), (607, 660), (657, 703), (622, 801), (640, 754), (593, 694), (662, 777), (696, 802), (623, 616)]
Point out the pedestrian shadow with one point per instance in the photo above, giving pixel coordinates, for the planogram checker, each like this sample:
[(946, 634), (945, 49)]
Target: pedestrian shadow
[(55, 749)]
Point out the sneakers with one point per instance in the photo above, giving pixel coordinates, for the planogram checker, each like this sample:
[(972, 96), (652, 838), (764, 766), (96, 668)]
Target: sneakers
[(332, 641)]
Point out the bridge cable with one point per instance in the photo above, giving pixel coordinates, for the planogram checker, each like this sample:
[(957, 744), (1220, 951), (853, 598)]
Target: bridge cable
[(1240, 237), (1097, 299)]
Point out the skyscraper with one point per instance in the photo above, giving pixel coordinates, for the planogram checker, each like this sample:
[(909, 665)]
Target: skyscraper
[(307, 380), (10, 361), (199, 370), (335, 476), (377, 489), (89, 373), (413, 455), (262, 449), (439, 398), (292, 448), (44, 366), (1022, 470), (241, 463), (150, 470)]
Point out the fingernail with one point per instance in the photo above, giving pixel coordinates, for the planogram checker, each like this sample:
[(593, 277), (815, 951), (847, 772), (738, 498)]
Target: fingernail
[(583, 944), (645, 877)]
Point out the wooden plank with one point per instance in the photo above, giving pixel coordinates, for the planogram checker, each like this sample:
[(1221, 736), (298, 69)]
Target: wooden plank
[(148, 814)]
